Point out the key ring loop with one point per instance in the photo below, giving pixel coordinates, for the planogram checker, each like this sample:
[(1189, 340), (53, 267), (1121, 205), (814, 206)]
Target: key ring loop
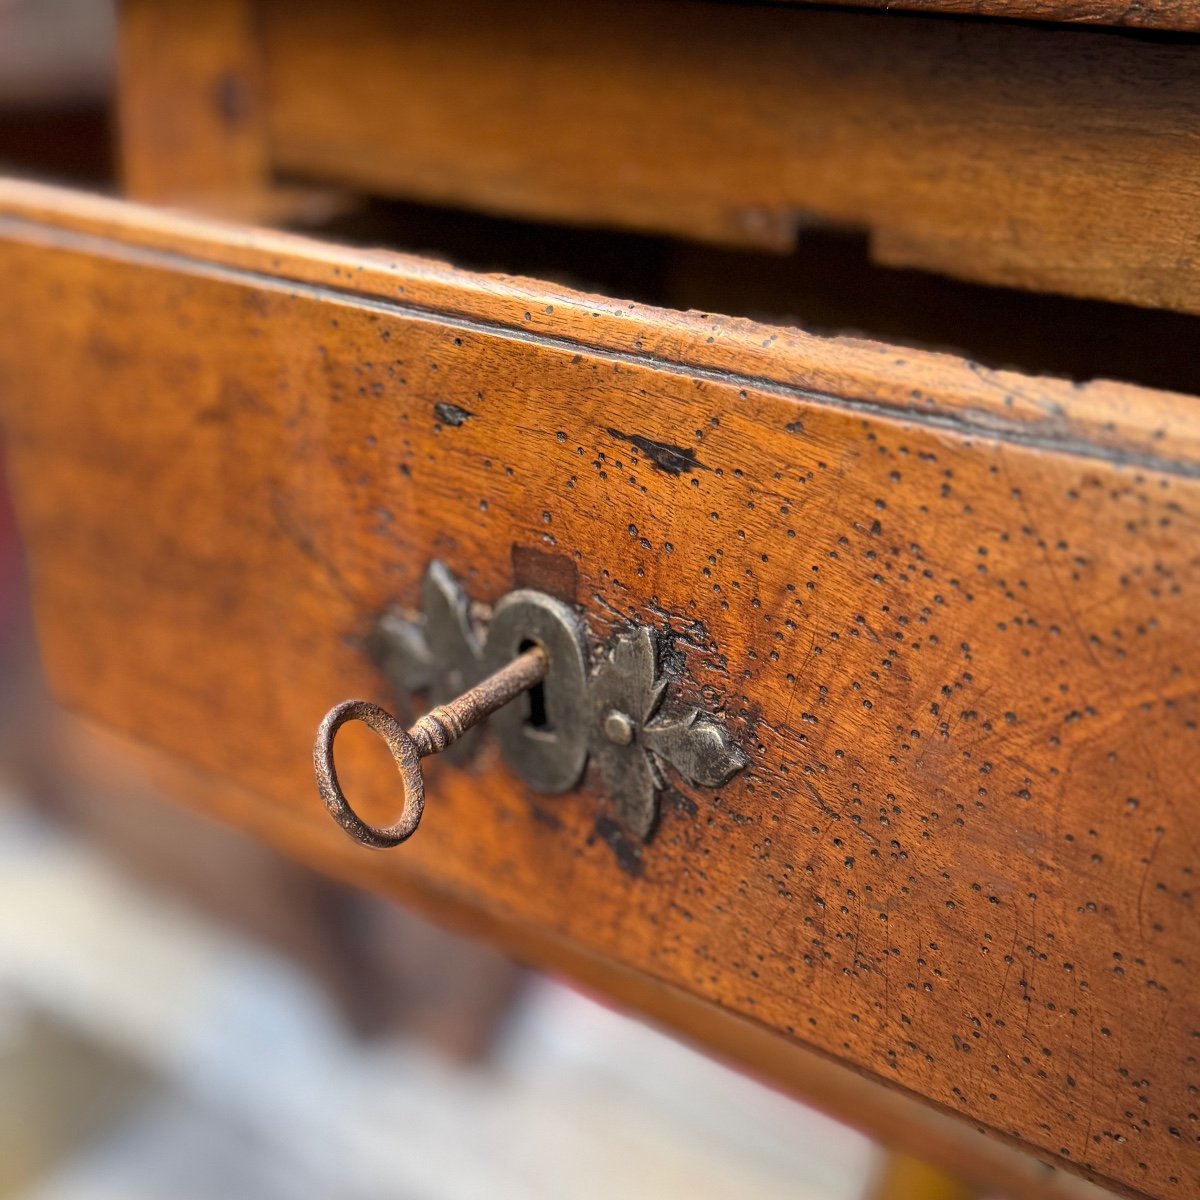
[(431, 734), (408, 762)]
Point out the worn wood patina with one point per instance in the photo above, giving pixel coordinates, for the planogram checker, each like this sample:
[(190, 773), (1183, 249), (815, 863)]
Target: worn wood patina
[(947, 612)]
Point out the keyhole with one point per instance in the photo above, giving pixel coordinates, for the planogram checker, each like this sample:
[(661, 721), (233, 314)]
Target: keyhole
[(538, 718)]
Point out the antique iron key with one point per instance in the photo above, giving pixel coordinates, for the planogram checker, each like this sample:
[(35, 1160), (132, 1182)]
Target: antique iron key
[(433, 733), (612, 711)]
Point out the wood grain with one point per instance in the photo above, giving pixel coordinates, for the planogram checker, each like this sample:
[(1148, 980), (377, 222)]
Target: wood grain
[(958, 642), (1044, 159)]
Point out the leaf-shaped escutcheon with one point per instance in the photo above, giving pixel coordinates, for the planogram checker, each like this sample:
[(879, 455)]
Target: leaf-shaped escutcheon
[(630, 743), (697, 746), (439, 653), (625, 693)]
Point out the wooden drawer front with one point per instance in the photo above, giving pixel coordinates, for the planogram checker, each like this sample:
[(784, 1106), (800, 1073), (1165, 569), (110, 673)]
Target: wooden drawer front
[(949, 614)]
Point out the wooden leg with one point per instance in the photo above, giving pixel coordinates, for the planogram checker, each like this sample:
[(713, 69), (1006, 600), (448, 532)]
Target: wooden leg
[(191, 115)]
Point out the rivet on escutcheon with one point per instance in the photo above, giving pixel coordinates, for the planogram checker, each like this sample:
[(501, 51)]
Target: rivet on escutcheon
[(618, 728)]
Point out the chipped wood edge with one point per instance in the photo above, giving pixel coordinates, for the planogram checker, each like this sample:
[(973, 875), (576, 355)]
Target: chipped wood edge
[(1181, 15), (1121, 423)]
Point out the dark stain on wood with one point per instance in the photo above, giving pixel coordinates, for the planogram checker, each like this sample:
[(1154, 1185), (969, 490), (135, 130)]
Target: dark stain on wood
[(451, 414), (543, 816), (554, 574), (674, 460), (626, 851)]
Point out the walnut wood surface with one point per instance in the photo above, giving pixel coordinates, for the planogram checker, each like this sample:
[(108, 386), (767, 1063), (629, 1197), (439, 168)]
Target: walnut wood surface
[(1049, 159), (956, 636)]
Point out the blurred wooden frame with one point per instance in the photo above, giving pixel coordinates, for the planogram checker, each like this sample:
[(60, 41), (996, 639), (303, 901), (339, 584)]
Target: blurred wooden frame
[(1002, 153)]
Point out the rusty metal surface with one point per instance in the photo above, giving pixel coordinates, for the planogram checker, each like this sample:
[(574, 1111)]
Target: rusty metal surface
[(616, 713), (431, 734), (448, 722)]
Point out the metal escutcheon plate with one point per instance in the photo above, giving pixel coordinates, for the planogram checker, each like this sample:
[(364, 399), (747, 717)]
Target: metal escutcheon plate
[(550, 756)]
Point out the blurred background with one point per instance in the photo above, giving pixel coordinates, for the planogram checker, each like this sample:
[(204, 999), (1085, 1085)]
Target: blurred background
[(186, 1016)]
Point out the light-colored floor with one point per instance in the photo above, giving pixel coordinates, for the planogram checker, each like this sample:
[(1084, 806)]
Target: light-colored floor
[(147, 1053)]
